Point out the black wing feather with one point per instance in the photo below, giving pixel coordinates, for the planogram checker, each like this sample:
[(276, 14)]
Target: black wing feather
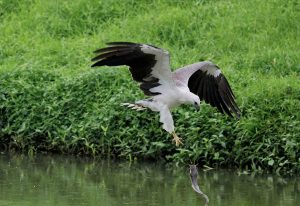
[(130, 54), (109, 49), (217, 98), (214, 91), (210, 93)]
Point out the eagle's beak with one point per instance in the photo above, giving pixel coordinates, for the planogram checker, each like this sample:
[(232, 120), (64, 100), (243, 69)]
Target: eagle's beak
[(197, 107)]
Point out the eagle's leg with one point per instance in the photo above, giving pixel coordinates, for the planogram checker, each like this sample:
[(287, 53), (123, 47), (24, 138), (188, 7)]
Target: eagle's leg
[(146, 103), (165, 116), (168, 123)]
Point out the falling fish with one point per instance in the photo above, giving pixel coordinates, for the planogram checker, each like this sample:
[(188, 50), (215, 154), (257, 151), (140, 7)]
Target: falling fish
[(195, 186)]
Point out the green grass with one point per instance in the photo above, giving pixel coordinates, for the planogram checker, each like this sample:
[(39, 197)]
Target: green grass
[(51, 100)]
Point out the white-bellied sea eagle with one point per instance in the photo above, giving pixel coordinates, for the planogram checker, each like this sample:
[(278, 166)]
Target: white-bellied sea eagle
[(150, 66)]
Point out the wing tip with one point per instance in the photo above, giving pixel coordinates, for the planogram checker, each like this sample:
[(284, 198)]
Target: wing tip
[(122, 43), (235, 112), (238, 114), (96, 65)]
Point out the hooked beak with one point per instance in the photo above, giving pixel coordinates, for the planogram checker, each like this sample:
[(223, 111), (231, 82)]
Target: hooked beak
[(197, 107)]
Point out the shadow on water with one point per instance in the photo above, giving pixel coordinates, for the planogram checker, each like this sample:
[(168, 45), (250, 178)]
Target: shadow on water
[(65, 180)]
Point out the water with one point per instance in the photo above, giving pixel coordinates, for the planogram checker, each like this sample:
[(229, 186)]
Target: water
[(61, 180)]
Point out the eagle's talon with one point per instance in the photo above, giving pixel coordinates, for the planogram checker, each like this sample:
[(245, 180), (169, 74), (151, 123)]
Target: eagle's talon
[(134, 106), (176, 139)]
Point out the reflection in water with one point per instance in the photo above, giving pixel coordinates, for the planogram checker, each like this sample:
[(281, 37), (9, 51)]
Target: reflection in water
[(61, 180), (194, 181)]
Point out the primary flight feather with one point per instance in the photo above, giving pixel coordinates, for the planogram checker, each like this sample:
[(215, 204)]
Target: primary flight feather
[(150, 66)]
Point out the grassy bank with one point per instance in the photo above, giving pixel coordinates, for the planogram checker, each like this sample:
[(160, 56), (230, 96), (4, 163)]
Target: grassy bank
[(51, 100)]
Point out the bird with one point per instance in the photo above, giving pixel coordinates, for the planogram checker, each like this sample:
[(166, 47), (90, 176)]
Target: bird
[(150, 67)]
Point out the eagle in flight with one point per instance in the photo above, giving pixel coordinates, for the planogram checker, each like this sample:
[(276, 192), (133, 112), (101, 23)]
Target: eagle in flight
[(150, 67)]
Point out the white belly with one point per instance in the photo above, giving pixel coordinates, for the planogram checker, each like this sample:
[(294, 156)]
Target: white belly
[(171, 97)]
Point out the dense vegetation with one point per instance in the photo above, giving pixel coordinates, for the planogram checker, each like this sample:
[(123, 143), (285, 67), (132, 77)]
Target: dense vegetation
[(51, 100)]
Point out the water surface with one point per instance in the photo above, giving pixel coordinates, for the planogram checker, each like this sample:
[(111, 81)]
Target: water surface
[(65, 180)]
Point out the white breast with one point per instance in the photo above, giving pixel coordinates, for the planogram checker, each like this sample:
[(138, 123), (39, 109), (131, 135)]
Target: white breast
[(171, 97)]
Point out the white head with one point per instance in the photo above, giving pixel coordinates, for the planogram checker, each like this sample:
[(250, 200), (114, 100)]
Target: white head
[(193, 99)]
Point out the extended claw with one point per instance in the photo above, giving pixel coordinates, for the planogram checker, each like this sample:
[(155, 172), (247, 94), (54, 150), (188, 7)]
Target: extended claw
[(135, 106), (176, 139)]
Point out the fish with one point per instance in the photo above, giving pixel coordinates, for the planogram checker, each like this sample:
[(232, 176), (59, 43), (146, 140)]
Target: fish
[(195, 186)]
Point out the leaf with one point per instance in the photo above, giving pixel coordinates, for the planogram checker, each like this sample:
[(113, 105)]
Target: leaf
[(271, 162)]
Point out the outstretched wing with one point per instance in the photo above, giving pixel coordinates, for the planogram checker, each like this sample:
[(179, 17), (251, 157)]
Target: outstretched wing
[(148, 64), (206, 80)]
